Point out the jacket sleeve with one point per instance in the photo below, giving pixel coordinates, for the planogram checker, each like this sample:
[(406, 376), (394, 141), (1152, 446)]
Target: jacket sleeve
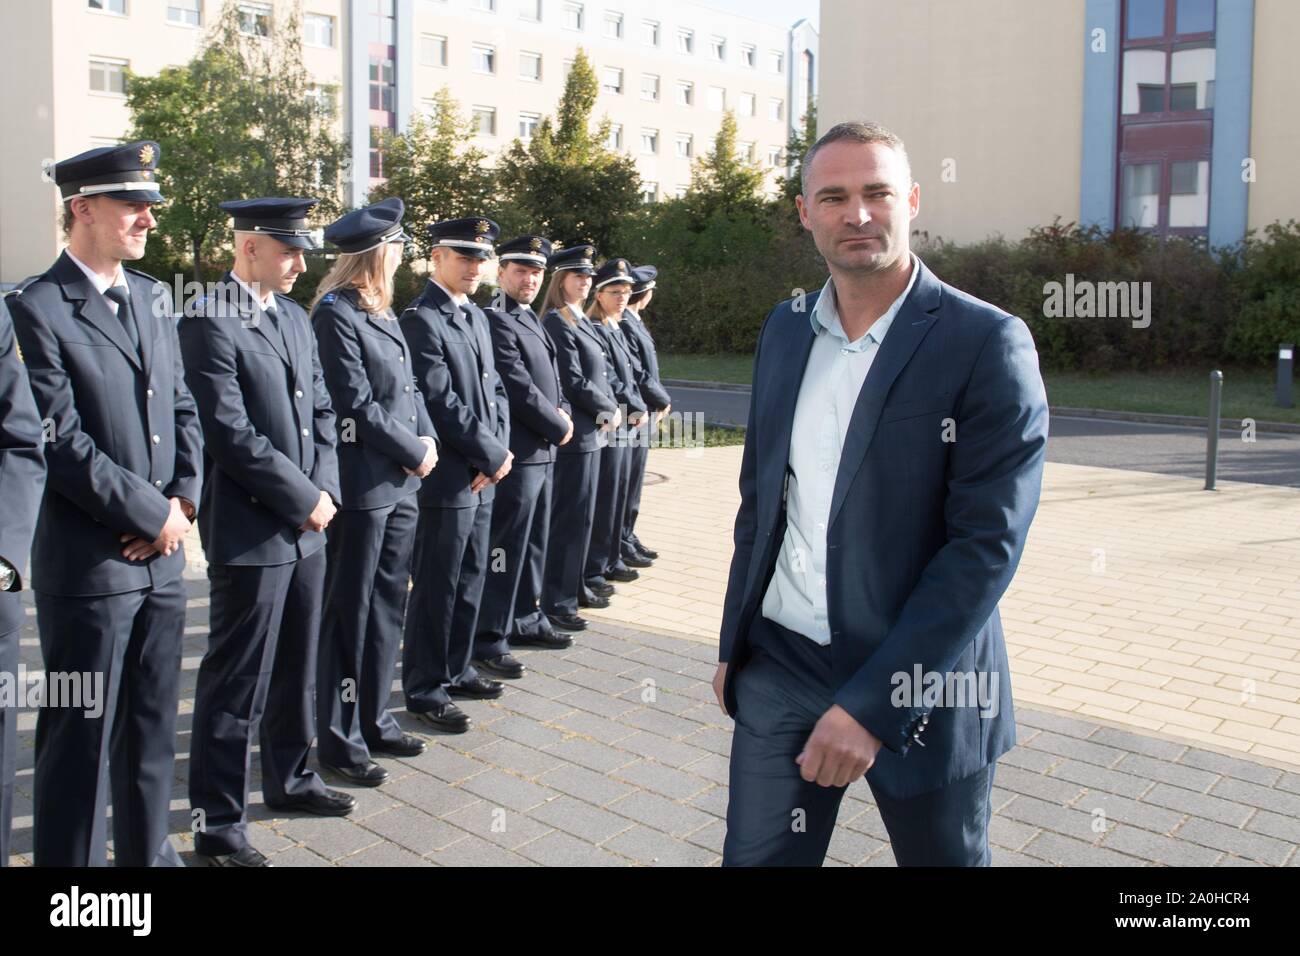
[(652, 390), (187, 473), (22, 455), (76, 468), (339, 344), (994, 479), (527, 404), (325, 471), (249, 457), (457, 425), (581, 391)]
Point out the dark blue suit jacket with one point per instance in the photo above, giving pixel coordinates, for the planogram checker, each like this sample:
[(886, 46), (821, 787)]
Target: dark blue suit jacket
[(525, 361), (583, 357), (452, 353), (924, 534), (268, 428), (123, 432), (22, 469), (377, 401), (642, 344)]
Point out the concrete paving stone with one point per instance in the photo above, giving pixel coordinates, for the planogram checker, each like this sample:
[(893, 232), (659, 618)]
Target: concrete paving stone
[(1059, 723), (1164, 771), (1231, 766), (1037, 785), (671, 702), (869, 821), (591, 754), (561, 849), (714, 739), (1154, 817), (593, 659), (433, 797), (580, 819), (266, 840), (414, 829), (544, 666), (587, 785), (1229, 812), (597, 702), (1099, 778), (1049, 816), (1001, 857), (503, 789), (1067, 851), (526, 731), (668, 660), (1138, 743), (1277, 825), (1084, 750), (1253, 846), (508, 828), (670, 752), (604, 729), (545, 686), (516, 758), (711, 836), (1027, 759), (609, 643), (666, 781), (384, 854), (1265, 798), (292, 856), (1290, 782), (665, 681), (651, 847), (660, 813), (658, 722), (713, 767), (1157, 847), (370, 800), (601, 682), (1006, 832), (330, 837), (1227, 859), (852, 846), (884, 858), (476, 851), (711, 801), (533, 705), (441, 759)]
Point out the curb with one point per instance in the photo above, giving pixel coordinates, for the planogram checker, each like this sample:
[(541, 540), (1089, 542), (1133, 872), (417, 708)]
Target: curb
[(711, 386)]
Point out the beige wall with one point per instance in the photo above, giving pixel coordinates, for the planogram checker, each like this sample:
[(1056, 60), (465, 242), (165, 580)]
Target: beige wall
[(996, 86), (1275, 114)]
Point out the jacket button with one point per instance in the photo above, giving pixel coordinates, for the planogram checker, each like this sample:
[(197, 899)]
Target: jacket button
[(412, 418), (485, 375), (253, 500), (401, 358), (305, 433), (148, 393), (156, 439), (298, 393), (406, 388), (158, 483)]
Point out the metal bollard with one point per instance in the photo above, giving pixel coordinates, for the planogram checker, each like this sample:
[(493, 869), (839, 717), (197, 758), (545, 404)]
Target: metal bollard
[(1212, 430), (1285, 366)]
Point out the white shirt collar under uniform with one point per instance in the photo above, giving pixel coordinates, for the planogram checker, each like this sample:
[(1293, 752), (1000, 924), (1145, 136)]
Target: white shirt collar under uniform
[(459, 300), (263, 300), (101, 285)]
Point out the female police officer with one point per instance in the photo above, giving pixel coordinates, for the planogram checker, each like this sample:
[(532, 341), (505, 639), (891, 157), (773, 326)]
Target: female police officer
[(386, 445)]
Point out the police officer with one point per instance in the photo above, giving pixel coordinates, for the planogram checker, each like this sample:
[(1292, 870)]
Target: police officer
[(582, 356), (386, 446), (452, 353), (22, 478), (613, 285), (271, 487), (642, 343), (123, 454), (539, 421)]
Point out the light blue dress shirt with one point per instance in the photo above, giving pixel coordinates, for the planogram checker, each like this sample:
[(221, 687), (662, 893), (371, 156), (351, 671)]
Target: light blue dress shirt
[(836, 369)]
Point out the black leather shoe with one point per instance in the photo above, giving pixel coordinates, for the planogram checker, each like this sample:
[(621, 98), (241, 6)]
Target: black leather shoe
[(636, 561), (502, 666), (622, 575), (601, 590), (445, 717), (480, 688), (594, 601), (568, 622), (371, 775), (646, 552), (245, 856), (331, 803), (408, 746), (544, 639)]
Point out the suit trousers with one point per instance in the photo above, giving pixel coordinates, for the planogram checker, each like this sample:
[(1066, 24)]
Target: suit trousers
[(517, 513), (366, 580), (451, 561), (134, 641), (9, 660), (573, 509), (640, 454), (776, 818), (528, 616), (605, 552), (257, 680)]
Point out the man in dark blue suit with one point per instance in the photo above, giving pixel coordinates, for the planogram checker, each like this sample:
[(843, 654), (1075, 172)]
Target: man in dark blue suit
[(540, 421), (124, 454), (270, 489), (892, 466), (22, 479), (452, 353)]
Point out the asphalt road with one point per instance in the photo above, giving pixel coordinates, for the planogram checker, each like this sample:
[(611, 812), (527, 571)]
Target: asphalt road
[(1164, 449)]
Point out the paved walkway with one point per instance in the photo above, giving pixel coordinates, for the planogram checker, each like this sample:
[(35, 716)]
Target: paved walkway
[(614, 752)]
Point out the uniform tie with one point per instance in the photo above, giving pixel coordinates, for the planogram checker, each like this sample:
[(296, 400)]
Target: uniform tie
[(119, 294)]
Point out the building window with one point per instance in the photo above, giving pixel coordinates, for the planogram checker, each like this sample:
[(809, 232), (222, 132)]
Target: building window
[(684, 148), (323, 98), (777, 59), (717, 100), (650, 32), (745, 151), (108, 6), (484, 58), (650, 141), (381, 22), (530, 66), (488, 5), (433, 50), (187, 13), (530, 10), (568, 67), (573, 16), (649, 191), (376, 154), (685, 41), (528, 123), (747, 104), (681, 191), (317, 30), (615, 138), (485, 120), (382, 92), (685, 93), (613, 26), (717, 48), (749, 55), (775, 155), (776, 109), (255, 19), (650, 87), (611, 80), (108, 76)]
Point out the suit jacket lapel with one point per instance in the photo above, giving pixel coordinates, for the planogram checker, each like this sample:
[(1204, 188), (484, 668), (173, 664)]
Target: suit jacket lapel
[(93, 307), (144, 323), (781, 394), (251, 315), (913, 321)]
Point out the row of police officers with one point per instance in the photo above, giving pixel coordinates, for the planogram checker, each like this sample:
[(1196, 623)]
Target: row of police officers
[(446, 484)]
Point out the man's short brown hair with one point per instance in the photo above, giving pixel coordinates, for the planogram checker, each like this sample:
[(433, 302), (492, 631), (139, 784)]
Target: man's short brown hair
[(854, 133)]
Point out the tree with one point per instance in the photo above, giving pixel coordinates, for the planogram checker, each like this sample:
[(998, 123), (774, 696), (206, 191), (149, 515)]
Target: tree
[(433, 174), (724, 181), (565, 183), (235, 122), (796, 148)]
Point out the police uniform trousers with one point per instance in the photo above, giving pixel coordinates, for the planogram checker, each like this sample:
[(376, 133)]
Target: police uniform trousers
[(361, 635), (776, 818), (258, 677), (640, 454), (451, 563), (128, 750), (605, 552), (521, 514), (573, 509), (11, 618)]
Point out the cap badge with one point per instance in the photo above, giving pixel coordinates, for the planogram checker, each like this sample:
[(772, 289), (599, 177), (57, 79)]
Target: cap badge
[(535, 244), (146, 154)]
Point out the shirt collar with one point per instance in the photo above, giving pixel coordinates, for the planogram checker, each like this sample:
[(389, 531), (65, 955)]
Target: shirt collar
[(826, 317), (577, 312), (459, 300), (263, 300), (95, 278)]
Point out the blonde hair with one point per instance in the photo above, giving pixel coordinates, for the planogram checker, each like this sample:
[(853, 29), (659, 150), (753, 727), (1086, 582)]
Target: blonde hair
[(597, 311), (555, 296), (366, 273)]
